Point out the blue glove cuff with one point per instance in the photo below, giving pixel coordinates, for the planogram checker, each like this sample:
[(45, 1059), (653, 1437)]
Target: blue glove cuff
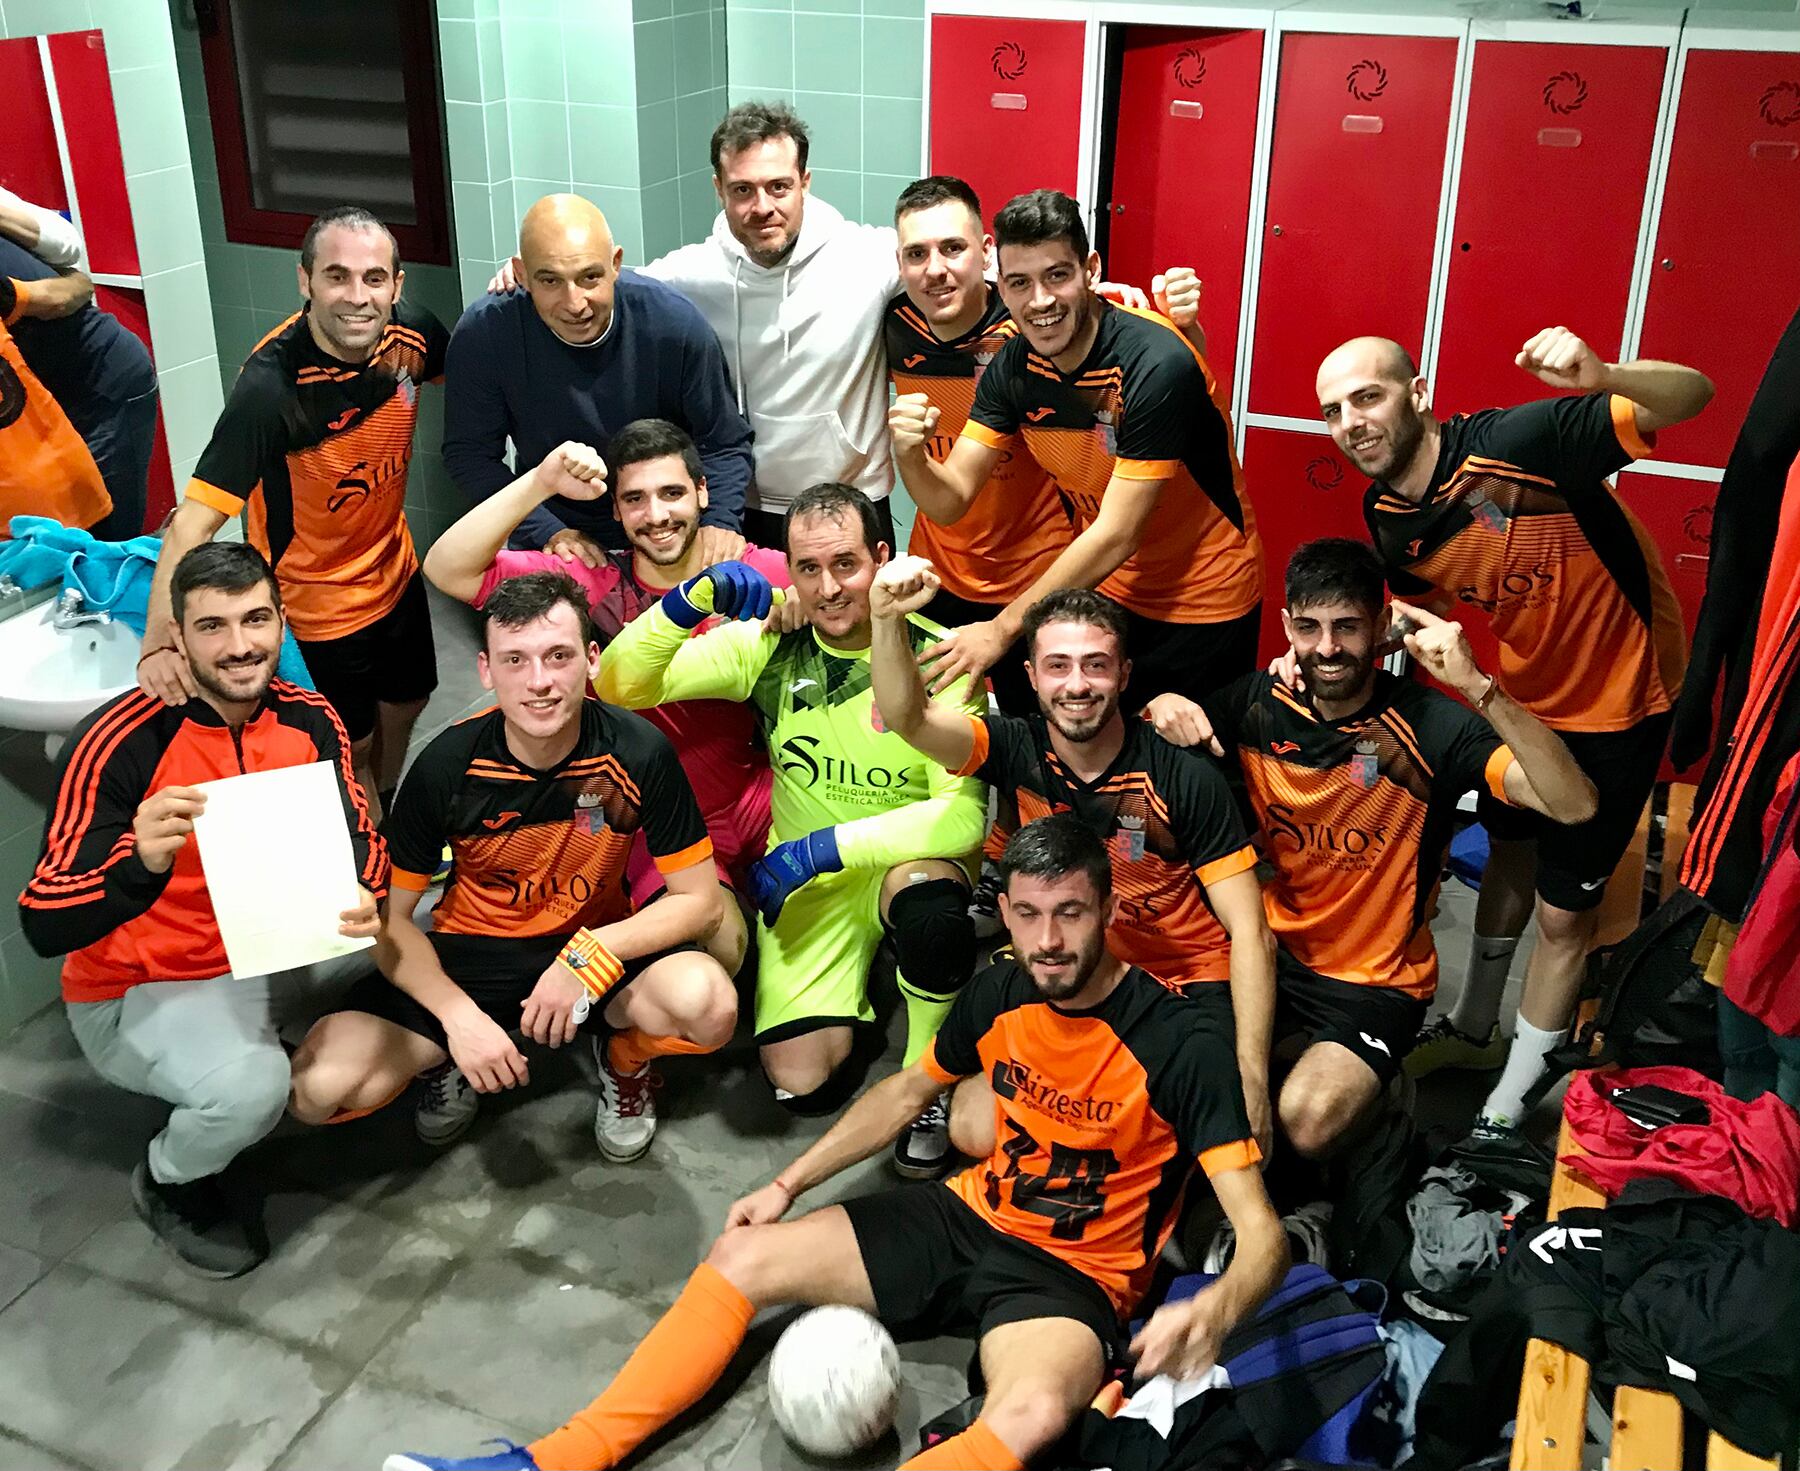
[(822, 851), (680, 608)]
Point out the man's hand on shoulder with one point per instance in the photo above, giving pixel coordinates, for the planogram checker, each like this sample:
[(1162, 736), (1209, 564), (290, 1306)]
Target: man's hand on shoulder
[(1181, 722), (576, 546), (719, 544), (505, 279)]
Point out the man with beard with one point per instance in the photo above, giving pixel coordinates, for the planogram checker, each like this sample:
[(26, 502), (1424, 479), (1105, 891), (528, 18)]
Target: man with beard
[(539, 800), (1354, 783), (1509, 511), (868, 838), (314, 444), (1127, 419), (119, 890), (1190, 909), (659, 495), (1109, 1089)]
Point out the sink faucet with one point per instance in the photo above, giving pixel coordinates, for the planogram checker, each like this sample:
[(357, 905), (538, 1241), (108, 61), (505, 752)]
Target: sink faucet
[(68, 612)]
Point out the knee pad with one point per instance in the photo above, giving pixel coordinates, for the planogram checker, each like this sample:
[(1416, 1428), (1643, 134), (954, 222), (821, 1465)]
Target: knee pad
[(934, 938), (827, 1098)]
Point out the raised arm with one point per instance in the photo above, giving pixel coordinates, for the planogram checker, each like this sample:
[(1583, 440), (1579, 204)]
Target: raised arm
[(945, 489), (458, 561), (1663, 393), (940, 731), (652, 660)]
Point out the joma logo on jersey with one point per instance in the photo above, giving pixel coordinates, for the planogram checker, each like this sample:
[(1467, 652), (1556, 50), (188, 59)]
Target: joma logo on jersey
[(1016, 1081), (801, 757), (1322, 837)]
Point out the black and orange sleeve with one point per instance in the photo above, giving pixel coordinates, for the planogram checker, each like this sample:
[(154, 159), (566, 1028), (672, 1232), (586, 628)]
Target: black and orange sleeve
[(418, 827), (89, 880), (1576, 442), (673, 827), (13, 296), (246, 438), (1197, 1090), (332, 743), (1227, 707), (1205, 819), (1165, 398), (1465, 752), (996, 415)]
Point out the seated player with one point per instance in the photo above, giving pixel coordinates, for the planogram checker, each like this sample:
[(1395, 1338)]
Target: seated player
[(1043, 1249), (539, 800), (1354, 783), (658, 494), (1190, 909), (119, 889), (867, 835)]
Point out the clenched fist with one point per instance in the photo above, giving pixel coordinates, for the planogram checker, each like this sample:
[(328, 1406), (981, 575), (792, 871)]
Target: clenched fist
[(912, 421)]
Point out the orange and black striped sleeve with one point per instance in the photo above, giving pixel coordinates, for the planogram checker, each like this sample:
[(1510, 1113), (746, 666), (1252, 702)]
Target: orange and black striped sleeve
[(89, 879), (1192, 1076), (247, 438)]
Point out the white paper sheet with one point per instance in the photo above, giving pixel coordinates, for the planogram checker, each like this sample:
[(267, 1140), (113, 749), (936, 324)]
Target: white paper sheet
[(279, 866)]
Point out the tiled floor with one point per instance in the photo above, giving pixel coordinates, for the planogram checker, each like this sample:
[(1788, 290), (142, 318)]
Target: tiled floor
[(415, 1299)]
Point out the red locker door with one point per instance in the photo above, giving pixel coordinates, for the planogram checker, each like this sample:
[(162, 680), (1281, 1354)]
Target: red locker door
[(1006, 104), (1726, 274), (1355, 180), (29, 164), (1556, 157), (1181, 167), (84, 90)]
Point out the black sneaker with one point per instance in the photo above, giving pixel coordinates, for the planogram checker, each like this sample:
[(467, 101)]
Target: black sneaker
[(924, 1149), (196, 1222), (984, 903)]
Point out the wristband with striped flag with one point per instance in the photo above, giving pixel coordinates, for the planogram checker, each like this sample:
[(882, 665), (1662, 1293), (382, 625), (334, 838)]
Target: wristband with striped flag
[(596, 967)]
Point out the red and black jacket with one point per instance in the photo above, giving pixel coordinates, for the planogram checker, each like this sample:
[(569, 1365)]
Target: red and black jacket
[(91, 898)]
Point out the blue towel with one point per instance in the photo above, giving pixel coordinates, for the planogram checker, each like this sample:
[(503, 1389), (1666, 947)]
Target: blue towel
[(111, 576)]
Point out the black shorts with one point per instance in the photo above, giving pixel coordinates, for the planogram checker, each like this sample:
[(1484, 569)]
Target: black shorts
[(1574, 862), (392, 661), (1012, 687), (500, 997), (1377, 1023), (937, 1267), (1191, 659), (1215, 998)]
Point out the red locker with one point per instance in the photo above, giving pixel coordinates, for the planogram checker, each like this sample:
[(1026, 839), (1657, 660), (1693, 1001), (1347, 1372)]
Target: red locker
[(1006, 104), (1726, 274), (29, 163), (1186, 136), (84, 89), (1556, 158), (1355, 180)]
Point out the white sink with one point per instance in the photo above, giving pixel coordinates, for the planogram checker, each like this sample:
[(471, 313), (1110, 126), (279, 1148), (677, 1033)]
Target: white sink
[(50, 677)]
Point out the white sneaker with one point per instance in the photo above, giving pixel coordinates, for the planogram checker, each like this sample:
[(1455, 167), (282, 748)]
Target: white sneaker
[(1306, 1228), (625, 1118), (921, 1152), (447, 1106)]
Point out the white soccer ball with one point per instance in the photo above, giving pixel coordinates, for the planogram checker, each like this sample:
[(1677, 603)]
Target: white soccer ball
[(834, 1381)]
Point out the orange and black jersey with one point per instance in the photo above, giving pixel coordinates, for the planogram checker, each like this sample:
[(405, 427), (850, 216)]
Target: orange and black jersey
[(1169, 822), (1520, 522), (318, 449), (1101, 1115), (1017, 523), (90, 896), (1143, 406), (539, 853), (1356, 817)]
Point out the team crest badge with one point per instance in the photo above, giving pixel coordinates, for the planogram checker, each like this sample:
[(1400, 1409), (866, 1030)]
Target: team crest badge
[(589, 816), (1365, 764), (1130, 839), (1489, 515), (407, 389), (1109, 433), (983, 358)]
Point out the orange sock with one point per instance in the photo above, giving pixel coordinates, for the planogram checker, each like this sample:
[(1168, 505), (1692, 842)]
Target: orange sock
[(678, 1361), (630, 1050), (976, 1449)]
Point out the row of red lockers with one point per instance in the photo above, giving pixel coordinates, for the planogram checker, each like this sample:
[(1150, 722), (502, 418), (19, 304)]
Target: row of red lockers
[(1556, 156)]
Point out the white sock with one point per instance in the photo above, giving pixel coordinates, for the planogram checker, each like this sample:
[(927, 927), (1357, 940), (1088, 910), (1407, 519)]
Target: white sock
[(1477, 1006), (1524, 1066)]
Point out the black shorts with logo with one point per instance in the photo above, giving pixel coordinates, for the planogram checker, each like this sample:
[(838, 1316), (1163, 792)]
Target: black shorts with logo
[(937, 1267), (1377, 1023), (392, 661), (1574, 862)]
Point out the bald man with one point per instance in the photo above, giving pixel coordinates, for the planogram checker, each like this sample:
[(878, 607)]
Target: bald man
[(586, 349), (1509, 512)]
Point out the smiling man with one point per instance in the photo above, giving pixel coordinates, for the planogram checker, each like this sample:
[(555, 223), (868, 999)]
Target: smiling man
[(583, 349), (314, 444)]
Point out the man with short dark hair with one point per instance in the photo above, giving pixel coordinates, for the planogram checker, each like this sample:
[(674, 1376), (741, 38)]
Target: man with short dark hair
[(582, 349), (1044, 1249), (1190, 908), (539, 800), (1509, 511), (120, 891), (314, 444), (1126, 417), (868, 839)]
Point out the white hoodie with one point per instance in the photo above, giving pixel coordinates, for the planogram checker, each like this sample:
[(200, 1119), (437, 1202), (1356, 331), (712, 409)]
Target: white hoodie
[(804, 342)]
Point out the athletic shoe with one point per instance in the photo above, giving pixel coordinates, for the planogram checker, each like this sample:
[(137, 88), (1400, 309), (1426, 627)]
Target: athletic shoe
[(1440, 1045), (984, 903), (511, 1458), (1494, 1134), (1306, 1228), (1220, 1250), (921, 1152), (625, 1117), (446, 1107), (196, 1222)]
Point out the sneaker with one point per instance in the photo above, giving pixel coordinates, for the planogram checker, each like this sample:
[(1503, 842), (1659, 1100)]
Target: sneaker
[(1306, 1232), (625, 1118), (922, 1151), (1440, 1045), (447, 1106), (1220, 1250), (510, 1458), (984, 903), (196, 1222), (1492, 1133)]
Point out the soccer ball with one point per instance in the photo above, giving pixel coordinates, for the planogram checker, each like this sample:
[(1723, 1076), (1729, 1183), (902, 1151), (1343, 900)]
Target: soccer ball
[(834, 1381)]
